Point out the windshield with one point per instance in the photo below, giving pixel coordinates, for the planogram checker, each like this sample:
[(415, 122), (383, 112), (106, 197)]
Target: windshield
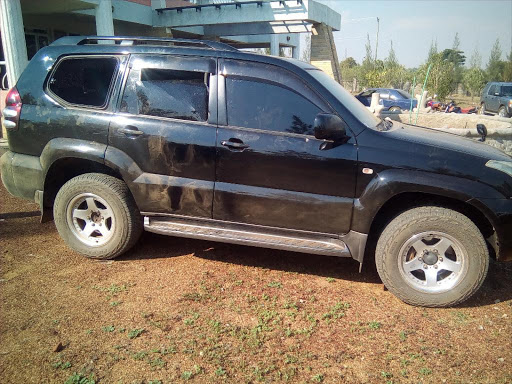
[(355, 107), (404, 94), (506, 90)]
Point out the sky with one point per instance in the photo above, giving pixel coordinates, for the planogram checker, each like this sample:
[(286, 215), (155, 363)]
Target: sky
[(413, 24)]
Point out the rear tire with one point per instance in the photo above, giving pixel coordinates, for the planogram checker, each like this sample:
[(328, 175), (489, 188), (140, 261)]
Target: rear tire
[(502, 112), (481, 111), (96, 216), (395, 109), (432, 256)]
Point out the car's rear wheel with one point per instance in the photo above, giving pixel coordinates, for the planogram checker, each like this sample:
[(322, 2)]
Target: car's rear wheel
[(395, 109), (502, 112), (481, 111), (432, 256), (96, 216)]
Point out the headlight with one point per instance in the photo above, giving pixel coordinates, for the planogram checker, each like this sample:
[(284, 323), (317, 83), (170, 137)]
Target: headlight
[(503, 166)]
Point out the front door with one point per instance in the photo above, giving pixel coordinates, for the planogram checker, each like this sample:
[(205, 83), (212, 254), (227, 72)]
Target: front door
[(167, 125), (271, 170)]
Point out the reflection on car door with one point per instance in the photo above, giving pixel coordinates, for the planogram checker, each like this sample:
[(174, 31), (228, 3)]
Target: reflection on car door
[(271, 170), (167, 125)]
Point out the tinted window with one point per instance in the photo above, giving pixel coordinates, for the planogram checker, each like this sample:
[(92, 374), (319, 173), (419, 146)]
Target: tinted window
[(84, 81), (252, 104), (506, 90), (170, 93), (492, 90)]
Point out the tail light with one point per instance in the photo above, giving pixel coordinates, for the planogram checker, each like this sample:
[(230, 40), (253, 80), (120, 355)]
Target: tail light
[(12, 110)]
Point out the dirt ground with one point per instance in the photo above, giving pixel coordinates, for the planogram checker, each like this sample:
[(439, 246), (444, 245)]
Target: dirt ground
[(176, 310)]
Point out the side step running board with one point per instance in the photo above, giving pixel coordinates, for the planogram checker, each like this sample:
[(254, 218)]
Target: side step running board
[(239, 234)]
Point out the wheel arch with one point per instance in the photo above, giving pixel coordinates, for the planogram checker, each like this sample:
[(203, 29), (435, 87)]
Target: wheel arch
[(402, 202), (65, 168)]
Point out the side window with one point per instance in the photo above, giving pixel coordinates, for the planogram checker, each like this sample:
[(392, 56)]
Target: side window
[(84, 81), (384, 95), (492, 90), (167, 93), (255, 104)]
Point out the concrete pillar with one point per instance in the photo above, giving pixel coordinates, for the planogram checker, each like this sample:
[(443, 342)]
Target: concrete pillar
[(13, 39), (274, 45), (323, 51), (104, 20)]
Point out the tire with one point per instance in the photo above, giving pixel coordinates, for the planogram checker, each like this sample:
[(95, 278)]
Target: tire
[(502, 112), (395, 109), (96, 216), (481, 111), (412, 254)]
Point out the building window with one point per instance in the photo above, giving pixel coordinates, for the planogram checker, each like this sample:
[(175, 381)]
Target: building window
[(84, 81), (253, 104), (35, 40)]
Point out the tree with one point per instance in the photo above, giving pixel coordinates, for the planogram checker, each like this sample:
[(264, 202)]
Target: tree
[(440, 80), (474, 81), (349, 62), (495, 66), (507, 70), (475, 60), (391, 60), (368, 61), (433, 50)]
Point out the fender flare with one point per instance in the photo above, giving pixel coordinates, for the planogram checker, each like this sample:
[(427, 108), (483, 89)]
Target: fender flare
[(393, 182)]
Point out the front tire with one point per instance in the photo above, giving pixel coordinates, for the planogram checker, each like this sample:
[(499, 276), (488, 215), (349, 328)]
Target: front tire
[(432, 256), (96, 216), (395, 109)]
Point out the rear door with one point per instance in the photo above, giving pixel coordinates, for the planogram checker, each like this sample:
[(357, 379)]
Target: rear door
[(167, 125), (271, 170)]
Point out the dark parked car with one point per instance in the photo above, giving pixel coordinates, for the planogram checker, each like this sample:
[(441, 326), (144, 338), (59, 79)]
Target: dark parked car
[(197, 139), (497, 98), (393, 100)]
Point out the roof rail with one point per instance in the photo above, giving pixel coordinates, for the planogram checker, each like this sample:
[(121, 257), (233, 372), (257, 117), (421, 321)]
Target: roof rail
[(132, 40)]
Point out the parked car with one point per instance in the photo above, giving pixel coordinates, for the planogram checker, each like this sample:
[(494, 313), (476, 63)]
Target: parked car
[(496, 98), (197, 139), (393, 100)]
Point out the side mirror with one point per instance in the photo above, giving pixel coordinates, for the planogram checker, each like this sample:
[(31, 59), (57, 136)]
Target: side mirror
[(482, 131), (329, 127), (496, 93)]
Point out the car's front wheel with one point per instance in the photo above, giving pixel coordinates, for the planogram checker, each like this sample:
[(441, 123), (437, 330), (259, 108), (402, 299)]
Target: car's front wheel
[(432, 256), (96, 216)]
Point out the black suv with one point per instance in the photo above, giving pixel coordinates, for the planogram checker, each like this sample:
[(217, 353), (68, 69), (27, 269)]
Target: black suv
[(197, 139)]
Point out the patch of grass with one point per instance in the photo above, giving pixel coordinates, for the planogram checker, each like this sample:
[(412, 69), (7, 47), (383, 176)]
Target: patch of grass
[(274, 284), (187, 375), (318, 378), (139, 355), (155, 382), (115, 303), (62, 365), (461, 317), (374, 325), (331, 279), (191, 320), (425, 371), (402, 335), (220, 371), (336, 312), (135, 333), (77, 378), (109, 328), (386, 375), (157, 362)]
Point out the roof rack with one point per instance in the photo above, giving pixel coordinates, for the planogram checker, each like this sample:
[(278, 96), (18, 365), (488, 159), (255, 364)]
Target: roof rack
[(131, 40)]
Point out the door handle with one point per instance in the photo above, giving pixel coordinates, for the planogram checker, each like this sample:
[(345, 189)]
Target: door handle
[(129, 130), (234, 144)]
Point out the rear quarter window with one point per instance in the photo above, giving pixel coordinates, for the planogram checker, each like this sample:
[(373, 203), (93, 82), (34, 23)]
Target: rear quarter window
[(84, 81)]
